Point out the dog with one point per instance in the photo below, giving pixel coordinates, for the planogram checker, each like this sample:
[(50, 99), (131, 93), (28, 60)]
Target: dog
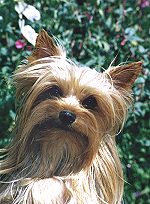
[(64, 149)]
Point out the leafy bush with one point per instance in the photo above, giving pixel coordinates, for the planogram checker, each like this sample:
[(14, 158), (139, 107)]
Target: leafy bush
[(95, 34)]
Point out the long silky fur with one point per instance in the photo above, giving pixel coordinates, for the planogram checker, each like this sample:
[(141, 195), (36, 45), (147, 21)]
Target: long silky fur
[(101, 174), (47, 165)]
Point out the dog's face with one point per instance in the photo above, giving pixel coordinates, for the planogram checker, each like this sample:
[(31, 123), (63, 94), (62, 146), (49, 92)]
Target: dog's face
[(67, 110)]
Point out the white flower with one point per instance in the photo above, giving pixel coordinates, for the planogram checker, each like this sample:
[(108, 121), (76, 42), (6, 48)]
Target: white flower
[(29, 33), (30, 12)]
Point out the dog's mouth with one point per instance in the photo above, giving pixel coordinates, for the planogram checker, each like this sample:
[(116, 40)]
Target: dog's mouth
[(61, 144), (54, 123), (51, 128)]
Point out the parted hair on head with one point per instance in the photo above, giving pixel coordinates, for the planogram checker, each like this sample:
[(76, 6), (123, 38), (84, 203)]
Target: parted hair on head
[(64, 150)]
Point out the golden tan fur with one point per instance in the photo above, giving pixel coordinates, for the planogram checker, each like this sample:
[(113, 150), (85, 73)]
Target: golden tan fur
[(45, 164)]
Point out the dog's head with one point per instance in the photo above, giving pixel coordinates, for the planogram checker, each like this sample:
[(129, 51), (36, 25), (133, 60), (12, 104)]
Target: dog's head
[(65, 110)]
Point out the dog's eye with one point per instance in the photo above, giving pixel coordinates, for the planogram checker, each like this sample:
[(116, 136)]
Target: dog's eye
[(54, 91), (90, 103)]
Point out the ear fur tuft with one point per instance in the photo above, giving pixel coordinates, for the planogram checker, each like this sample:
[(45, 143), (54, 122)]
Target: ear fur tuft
[(124, 76), (45, 47)]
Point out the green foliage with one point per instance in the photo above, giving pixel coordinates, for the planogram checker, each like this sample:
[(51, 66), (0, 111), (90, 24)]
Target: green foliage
[(95, 34)]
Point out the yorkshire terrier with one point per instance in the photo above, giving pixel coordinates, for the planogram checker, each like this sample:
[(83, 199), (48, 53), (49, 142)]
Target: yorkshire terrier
[(64, 149)]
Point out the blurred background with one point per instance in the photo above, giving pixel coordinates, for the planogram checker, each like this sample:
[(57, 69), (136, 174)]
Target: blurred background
[(94, 33)]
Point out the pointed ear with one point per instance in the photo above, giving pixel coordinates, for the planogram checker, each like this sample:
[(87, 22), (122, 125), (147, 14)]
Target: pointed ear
[(123, 76), (45, 47)]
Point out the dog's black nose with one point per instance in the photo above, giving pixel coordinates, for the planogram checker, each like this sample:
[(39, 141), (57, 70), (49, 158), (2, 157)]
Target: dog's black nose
[(67, 117)]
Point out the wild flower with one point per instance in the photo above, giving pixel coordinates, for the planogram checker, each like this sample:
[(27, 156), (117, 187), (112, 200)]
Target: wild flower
[(20, 44), (32, 14)]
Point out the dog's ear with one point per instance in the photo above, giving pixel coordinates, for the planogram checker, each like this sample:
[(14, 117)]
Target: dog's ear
[(123, 76), (45, 47)]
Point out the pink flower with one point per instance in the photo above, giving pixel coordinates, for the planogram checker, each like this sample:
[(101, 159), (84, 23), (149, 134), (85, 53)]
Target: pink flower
[(29, 48), (123, 42), (89, 17), (117, 36), (144, 3), (20, 44)]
